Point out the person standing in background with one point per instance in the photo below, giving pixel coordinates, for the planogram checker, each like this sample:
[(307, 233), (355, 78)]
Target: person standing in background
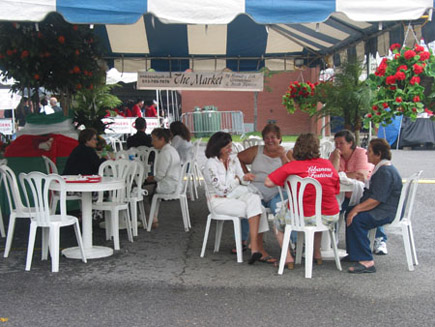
[(137, 108), (151, 111)]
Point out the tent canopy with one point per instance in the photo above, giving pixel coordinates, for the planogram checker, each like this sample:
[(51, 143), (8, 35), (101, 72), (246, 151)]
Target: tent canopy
[(242, 35)]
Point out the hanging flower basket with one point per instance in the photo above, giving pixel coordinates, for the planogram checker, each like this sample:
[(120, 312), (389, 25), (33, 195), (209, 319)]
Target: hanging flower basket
[(300, 95), (397, 84)]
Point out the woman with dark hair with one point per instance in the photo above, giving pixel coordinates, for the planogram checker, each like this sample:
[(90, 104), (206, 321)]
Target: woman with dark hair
[(168, 166), (350, 158), (308, 163), (377, 207), (263, 160), (83, 159), (224, 175), (181, 140)]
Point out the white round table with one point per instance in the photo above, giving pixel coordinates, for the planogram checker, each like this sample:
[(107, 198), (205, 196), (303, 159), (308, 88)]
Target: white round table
[(106, 184)]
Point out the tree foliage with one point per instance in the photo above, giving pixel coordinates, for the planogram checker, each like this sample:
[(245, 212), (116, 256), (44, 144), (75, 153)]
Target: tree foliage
[(53, 54)]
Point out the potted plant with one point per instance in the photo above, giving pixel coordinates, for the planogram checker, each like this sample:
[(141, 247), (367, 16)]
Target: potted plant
[(398, 81), (344, 95), (92, 105)]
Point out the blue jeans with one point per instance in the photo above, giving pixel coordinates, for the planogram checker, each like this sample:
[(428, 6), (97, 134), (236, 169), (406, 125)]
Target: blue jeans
[(357, 239), (380, 231), (271, 204)]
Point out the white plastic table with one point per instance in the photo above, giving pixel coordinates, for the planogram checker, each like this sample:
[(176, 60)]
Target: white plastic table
[(106, 184), (326, 248)]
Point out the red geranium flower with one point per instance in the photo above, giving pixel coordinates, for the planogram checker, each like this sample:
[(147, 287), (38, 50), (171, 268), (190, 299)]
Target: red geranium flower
[(400, 76), (416, 98), (418, 48), (409, 54), (397, 56), (395, 46), (418, 69), (404, 67), (24, 54), (36, 76), (424, 55), (375, 108), (369, 115), (385, 105), (399, 99), (391, 79), (76, 69), (414, 109), (61, 39), (414, 79)]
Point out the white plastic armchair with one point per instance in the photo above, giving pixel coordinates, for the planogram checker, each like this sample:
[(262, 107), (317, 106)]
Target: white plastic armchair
[(251, 141), (117, 203), (36, 185), (402, 220), (326, 147), (16, 207), (295, 188), (2, 226), (136, 198), (179, 194), (220, 219), (51, 168)]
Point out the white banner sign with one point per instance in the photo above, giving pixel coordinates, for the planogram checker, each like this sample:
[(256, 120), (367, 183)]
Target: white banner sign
[(6, 126), (126, 125), (226, 81)]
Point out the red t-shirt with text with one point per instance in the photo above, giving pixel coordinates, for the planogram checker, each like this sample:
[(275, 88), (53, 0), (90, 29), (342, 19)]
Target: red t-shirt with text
[(320, 169)]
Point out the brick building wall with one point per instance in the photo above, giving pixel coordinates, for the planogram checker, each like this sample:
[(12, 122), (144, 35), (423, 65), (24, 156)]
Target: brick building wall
[(269, 106)]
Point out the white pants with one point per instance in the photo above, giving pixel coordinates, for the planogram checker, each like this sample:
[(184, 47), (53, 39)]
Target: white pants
[(246, 206)]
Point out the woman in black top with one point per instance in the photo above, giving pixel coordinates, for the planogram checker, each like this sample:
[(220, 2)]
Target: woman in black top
[(83, 159)]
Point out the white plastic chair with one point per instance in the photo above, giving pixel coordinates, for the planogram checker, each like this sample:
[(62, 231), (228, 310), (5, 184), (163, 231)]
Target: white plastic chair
[(237, 147), (402, 220), (220, 219), (195, 172), (2, 226), (116, 144), (51, 168), (326, 147), (135, 198), (295, 187), (179, 194), (37, 185), (16, 207), (117, 202), (251, 141)]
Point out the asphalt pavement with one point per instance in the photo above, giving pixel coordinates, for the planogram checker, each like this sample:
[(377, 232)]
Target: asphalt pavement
[(160, 280)]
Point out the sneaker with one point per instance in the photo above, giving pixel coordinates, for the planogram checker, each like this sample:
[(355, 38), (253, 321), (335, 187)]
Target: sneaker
[(380, 247)]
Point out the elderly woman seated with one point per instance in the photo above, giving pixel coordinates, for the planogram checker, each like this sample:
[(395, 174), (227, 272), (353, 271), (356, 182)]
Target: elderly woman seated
[(226, 183), (377, 207), (308, 163)]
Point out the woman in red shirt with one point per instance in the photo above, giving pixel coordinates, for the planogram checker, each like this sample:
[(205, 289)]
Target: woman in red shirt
[(308, 163)]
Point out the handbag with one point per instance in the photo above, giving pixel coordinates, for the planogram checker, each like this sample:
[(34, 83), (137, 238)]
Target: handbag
[(238, 192)]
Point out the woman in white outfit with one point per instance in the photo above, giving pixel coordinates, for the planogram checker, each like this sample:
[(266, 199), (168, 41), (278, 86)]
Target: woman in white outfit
[(224, 177), (181, 140), (168, 165)]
